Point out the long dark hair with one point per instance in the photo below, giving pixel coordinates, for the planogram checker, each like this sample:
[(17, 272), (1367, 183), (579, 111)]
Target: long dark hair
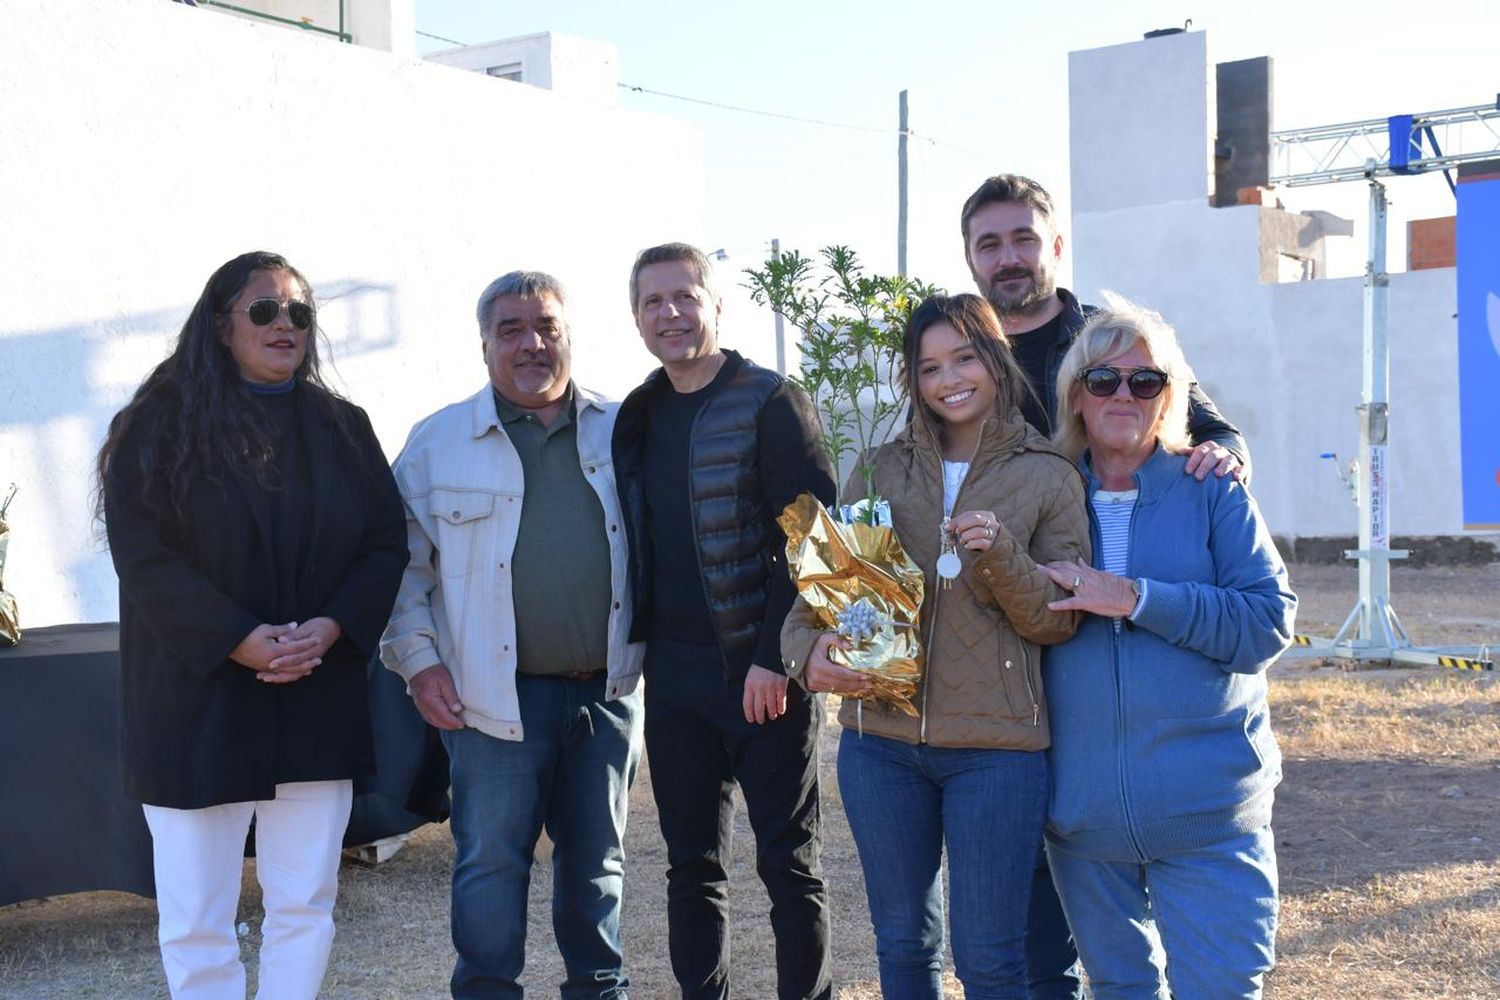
[(975, 320), (193, 416)]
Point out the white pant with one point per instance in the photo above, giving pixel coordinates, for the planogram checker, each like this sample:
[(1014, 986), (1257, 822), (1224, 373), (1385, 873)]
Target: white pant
[(199, 856)]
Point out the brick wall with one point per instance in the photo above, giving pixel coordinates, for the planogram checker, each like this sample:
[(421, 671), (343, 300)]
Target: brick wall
[(1429, 243)]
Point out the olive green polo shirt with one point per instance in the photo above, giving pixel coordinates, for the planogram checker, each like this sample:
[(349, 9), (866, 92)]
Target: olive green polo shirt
[(560, 568)]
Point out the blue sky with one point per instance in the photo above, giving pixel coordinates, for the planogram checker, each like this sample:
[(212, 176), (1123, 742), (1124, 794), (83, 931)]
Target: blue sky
[(987, 82)]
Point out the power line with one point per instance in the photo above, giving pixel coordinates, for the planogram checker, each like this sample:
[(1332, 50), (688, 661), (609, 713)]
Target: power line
[(440, 38), (807, 121), (782, 116), (757, 111)]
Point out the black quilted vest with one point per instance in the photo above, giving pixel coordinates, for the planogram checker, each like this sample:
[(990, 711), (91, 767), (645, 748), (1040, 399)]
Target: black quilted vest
[(732, 521)]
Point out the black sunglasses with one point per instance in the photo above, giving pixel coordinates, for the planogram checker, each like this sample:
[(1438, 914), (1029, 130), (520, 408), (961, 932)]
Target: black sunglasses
[(263, 312), (1144, 383)]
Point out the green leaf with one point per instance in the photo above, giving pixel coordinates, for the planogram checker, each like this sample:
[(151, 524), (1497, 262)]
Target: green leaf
[(850, 325)]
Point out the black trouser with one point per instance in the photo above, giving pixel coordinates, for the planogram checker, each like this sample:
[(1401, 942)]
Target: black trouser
[(698, 746)]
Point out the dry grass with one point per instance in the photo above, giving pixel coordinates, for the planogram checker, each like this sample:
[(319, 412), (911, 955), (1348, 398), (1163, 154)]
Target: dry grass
[(1389, 852), (1390, 878), (1389, 715)]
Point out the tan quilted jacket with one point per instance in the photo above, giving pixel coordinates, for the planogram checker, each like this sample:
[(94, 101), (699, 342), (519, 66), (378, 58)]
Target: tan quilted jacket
[(982, 685)]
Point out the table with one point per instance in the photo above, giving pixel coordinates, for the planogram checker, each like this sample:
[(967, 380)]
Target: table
[(65, 822)]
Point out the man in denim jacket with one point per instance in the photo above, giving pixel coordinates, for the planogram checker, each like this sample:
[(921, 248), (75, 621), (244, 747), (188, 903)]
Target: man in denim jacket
[(510, 630)]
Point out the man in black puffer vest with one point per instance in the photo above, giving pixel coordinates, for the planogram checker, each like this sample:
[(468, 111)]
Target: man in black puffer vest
[(708, 451)]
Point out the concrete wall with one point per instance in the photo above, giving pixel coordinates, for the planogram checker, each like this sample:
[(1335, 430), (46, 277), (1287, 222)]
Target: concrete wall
[(146, 142), (1281, 360), (1140, 127)]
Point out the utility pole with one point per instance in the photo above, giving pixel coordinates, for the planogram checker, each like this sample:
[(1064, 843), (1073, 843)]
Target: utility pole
[(901, 191)]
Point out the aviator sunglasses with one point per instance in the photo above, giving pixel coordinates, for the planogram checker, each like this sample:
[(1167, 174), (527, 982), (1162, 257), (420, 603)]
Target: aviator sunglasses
[(1143, 383), (263, 312)]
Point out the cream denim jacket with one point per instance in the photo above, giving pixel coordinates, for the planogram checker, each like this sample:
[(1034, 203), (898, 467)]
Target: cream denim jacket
[(462, 482)]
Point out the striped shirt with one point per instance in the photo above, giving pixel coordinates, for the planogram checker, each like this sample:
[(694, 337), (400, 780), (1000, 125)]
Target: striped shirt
[(1113, 512)]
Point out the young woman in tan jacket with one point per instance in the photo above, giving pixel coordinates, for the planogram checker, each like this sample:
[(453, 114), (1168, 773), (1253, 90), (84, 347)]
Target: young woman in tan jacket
[(969, 476)]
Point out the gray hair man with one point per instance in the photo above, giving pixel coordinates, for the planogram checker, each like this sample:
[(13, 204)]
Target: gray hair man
[(511, 631)]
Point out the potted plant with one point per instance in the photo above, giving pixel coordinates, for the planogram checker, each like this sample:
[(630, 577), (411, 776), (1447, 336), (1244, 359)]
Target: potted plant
[(848, 564)]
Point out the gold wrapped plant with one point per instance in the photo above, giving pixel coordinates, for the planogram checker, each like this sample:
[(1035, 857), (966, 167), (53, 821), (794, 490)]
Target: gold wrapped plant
[(857, 578), (863, 585)]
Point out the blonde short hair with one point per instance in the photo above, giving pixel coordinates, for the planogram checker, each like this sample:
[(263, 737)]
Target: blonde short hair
[(1110, 332)]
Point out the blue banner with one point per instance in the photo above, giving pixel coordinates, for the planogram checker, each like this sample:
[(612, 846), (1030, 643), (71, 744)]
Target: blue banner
[(1478, 246)]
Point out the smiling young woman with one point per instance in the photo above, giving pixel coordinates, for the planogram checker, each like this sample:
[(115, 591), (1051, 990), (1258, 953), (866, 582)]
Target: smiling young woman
[(968, 478)]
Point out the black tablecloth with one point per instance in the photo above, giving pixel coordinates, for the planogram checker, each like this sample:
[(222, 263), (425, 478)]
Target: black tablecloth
[(65, 823)]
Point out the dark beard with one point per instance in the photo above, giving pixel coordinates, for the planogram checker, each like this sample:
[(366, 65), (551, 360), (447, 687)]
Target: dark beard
[(1030, 302)]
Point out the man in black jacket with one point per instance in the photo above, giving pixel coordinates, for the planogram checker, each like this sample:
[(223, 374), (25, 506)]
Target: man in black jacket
[(708, 451), (1013, 248)]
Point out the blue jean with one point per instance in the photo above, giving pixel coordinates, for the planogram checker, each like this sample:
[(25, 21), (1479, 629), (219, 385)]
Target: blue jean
[(573, 773), (1193, 924), (905, 805)]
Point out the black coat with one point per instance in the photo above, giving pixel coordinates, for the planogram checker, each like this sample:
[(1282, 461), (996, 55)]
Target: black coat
[(199, 729)]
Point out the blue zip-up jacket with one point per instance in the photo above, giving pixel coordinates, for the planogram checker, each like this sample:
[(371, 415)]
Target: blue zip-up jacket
[(1161, 737)]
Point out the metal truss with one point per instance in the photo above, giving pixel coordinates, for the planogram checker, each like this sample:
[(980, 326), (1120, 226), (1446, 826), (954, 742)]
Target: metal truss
[(1377, 147), (1366, 151)]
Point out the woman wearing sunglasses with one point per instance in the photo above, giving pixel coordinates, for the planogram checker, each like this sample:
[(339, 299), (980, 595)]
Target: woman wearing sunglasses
[(969, 483), (259, 540), (1163, 762)]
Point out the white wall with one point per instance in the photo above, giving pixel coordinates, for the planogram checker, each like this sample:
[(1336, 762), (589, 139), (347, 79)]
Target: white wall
[(145, 143), (564, 64), (1139, 123), (1281, 361)]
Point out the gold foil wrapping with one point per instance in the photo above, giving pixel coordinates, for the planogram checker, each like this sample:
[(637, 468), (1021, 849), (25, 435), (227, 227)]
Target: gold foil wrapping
[(834, 565)]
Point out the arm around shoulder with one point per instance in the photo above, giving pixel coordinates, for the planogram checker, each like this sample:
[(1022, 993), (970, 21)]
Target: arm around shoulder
[(1206, 423)]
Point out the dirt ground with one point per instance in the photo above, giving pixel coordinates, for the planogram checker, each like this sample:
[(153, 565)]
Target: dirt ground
[(1386, 827)]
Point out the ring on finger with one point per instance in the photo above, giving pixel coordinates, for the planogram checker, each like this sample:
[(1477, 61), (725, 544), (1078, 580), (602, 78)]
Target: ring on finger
[(1077, 582)]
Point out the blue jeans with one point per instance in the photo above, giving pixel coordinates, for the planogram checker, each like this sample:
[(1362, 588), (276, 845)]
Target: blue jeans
[(573, 773), (1199, 923), (905, 804)]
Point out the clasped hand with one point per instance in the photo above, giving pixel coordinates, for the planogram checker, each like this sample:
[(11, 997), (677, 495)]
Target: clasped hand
[(280, 654)]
